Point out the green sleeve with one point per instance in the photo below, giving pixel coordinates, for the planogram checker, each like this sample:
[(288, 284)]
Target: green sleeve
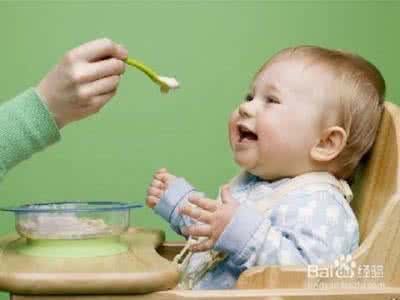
[(26, 127)]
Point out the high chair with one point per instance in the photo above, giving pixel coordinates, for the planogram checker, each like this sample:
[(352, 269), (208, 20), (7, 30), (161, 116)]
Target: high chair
[(377, 207)]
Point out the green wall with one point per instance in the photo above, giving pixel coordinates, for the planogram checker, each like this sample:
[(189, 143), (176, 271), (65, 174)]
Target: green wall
[(213, 48)]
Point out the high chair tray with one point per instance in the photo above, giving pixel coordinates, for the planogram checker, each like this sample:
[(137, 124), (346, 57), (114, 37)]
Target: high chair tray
[(139, 270), (253, 294)]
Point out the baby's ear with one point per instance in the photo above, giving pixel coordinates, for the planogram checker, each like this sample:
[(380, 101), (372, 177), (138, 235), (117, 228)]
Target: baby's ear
[(330, 144)]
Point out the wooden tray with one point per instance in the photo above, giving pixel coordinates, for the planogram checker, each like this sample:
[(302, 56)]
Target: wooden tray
[(139, 270)]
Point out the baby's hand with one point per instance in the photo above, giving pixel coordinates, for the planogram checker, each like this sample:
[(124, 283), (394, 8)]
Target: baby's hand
[(214, 216), (160, 183), (85, 79)]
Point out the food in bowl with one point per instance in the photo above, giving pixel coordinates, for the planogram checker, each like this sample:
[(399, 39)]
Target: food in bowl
[(72, 220)]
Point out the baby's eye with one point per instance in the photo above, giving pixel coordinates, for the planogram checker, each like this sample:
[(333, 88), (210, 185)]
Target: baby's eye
[(270, 99), (249, 97)]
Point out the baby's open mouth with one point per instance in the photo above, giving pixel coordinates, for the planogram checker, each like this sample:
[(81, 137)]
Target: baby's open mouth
[(246, 134)]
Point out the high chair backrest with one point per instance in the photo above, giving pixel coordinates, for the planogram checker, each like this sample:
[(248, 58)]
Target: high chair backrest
[(378, 179), (377, 201)]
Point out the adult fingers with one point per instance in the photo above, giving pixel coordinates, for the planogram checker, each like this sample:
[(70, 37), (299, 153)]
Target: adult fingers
[(98, 102), (103, 68), (99, 87), (99, 49)]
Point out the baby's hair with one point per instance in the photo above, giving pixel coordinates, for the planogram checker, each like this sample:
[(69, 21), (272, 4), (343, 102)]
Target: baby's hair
[(360, 90)]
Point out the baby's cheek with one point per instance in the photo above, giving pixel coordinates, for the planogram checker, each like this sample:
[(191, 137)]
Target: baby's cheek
[(276, 144), (232, 123), (233, 118)]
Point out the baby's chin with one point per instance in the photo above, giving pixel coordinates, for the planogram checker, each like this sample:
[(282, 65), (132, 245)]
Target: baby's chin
[(245, 164), (253, 169)]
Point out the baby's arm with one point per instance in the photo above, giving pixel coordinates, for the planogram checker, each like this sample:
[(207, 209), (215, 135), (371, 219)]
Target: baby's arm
[(310, 228), (166, 194)]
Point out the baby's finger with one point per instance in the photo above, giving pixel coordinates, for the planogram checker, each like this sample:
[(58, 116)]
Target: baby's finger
[(162, 177), (162, 170), (152, 201), (196, 213), (203, 203), (156, 192), (197, 230), (226, 196), (158, 184), (202, 246)]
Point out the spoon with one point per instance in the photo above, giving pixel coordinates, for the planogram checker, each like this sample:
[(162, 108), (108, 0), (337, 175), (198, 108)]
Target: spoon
[(165, 83)]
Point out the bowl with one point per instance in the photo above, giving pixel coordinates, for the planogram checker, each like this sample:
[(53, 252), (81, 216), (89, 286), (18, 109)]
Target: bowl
[(71, 220)]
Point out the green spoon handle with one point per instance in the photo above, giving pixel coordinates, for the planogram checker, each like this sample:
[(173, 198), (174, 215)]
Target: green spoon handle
[(145, 69)]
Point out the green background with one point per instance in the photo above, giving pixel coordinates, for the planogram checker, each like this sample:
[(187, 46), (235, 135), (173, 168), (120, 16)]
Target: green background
[(213, 48)]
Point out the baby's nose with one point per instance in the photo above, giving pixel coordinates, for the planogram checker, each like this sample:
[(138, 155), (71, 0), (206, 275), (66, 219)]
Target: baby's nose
[(245, 110)]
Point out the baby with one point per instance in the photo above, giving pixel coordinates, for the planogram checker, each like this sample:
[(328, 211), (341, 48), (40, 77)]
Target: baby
[(310, 116)]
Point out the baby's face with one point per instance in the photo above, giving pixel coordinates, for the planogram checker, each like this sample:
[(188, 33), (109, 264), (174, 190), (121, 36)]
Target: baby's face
[(273, 130)]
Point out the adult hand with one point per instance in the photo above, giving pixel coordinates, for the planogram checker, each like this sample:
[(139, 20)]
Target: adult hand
[(85, 79)]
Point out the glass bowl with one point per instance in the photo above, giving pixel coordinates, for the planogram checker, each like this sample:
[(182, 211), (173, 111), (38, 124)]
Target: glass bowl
[(71, 220)]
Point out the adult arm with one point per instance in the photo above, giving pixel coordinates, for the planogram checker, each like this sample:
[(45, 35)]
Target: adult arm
[(26, 127)]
